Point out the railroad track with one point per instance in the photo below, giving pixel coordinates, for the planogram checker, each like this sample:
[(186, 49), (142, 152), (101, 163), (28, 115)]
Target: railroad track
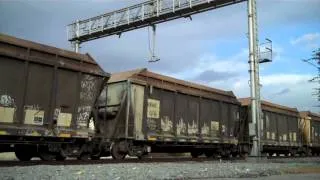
[(272, 159), (9, 163), (290, 157)]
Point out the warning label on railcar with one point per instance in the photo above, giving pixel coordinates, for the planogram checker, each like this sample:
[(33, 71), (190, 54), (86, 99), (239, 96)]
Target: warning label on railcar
[(153, 109)]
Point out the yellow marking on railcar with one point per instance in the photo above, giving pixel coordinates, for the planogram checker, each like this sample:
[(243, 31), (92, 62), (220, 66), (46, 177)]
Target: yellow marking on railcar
[(3, 133), (235, 141), (64, 119), (82, 134), (6, 114), (34, 117), (66, 135), (153, 109), (35, 133), (193, 140), (150, 138)]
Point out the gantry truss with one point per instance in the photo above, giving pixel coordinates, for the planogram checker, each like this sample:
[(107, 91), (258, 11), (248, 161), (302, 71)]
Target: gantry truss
[(138, 16)]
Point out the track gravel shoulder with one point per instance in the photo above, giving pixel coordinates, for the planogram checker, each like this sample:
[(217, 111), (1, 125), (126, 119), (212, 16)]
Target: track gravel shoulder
[(186, 170)]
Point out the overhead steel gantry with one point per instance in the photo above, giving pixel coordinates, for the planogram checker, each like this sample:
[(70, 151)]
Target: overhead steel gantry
[(153, 12), (138, 16)]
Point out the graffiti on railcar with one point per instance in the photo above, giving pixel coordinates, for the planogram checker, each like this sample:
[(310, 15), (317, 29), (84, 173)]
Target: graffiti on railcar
[(88, 88), (181, 127), (152, 124), (193, 128), (7, 101), (223, 129), (205, 130), (7, 108), (215, 128), (83, 115), (166, 124)]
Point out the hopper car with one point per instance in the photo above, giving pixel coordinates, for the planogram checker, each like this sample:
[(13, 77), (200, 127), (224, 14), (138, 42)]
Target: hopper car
[(46, 99), (309, 125), (146, 110), (56, 104), (279, 133)]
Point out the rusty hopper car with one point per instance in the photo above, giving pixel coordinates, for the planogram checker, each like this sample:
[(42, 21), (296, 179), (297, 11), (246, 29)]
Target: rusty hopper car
[(279, 128), (46, 98), (310, 130), (151, 111)]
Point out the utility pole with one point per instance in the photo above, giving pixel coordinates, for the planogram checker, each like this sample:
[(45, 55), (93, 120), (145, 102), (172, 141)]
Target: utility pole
[(254, 84)]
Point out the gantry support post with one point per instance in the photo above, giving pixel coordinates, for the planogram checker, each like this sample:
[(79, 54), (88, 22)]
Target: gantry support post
[(253, 60)]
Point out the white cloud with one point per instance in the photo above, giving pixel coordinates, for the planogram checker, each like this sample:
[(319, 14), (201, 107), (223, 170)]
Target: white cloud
[(285, 79), (233, 65), (310, 40), (292, 90)]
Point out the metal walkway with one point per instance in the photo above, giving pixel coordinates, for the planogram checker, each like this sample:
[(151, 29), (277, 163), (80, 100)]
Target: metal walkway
[(139, 16)]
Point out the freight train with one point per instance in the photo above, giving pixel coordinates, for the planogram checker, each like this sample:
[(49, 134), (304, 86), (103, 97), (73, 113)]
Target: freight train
[(56, 104)]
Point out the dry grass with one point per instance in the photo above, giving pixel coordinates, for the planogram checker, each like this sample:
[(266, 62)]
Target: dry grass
[(303, 170)]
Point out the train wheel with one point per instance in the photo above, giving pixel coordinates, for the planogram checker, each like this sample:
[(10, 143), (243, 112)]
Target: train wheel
[(195, 154), (293, 153), (46, 156), (142, 156), (209, 154), (60, 157), (116, 153), (309, 152), (226, 155), (23, 155), (83, 156), (244, 155), (95, 157), (234, 154), (95, 154), (24, 152)]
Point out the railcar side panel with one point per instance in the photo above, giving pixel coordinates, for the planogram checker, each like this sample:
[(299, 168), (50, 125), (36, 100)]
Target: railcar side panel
[(206, 117), (181, 106), (193, 118), (46, 91)]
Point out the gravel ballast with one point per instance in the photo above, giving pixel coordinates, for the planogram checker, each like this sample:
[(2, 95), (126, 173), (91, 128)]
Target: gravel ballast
[(185, 170)]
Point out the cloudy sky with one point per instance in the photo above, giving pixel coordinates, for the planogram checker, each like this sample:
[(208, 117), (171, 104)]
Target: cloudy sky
[(212, 49)]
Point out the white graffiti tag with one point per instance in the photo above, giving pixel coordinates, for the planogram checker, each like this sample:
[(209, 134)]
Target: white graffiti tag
[(6, 100)]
